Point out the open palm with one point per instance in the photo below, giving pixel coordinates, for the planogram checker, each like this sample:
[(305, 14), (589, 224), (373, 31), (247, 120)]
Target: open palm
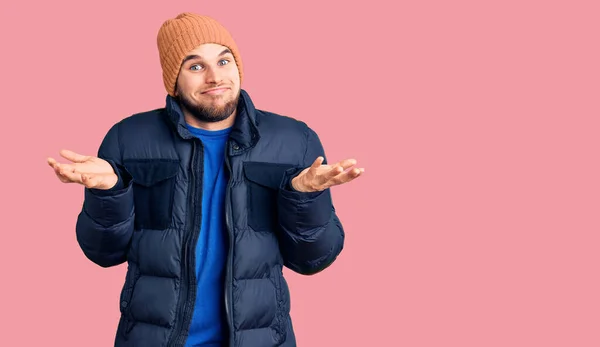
[(89, 171), (319, 177)]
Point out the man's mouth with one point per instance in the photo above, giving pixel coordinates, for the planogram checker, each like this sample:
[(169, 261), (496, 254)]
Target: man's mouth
[(215, 91)]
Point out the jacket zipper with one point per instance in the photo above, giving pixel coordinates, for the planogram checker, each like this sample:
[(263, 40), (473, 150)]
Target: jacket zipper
[(186, 303), (228, 270)]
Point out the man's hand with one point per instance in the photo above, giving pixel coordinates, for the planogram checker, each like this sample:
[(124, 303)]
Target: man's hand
[(89, 171), (319, 177)]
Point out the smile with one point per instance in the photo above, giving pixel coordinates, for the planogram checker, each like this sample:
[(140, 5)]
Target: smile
[(215, 91)]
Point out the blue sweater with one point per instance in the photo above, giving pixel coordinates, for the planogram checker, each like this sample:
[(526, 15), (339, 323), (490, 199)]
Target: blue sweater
[(207, 328)]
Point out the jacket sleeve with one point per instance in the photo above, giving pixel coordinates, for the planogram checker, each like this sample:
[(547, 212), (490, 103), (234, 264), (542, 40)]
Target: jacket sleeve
[(105, 224), (312, 235)]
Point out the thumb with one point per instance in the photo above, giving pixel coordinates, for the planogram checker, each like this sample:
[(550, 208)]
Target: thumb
[(311, 171), (72, 156), (91, 180), (99, 181), (317, 163)]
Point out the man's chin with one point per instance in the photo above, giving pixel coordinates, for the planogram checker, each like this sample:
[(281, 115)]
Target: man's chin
[(212, 112), (218, 101)]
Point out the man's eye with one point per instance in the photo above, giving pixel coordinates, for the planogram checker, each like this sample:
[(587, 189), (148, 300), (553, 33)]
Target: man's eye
[(224, 61), (195, 67)]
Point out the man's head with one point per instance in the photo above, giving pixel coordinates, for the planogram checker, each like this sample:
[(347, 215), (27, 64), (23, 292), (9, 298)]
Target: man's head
[(201, 66)]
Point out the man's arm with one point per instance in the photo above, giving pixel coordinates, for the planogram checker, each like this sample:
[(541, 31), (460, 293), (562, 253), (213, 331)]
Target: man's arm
[(105, 223), (312, 235)]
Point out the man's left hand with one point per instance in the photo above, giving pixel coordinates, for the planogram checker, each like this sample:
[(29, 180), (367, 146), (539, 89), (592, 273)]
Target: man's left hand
[(319, 177)]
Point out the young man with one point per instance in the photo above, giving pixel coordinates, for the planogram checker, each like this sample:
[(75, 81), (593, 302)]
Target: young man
[(206, 200)]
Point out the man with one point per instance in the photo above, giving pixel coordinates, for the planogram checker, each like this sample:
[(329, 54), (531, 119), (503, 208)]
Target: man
[(206, 200)]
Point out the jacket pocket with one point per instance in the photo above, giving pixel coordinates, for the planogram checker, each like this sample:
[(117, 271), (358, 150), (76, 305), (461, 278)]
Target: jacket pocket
[(153, 191), (126, 322), (127, 290), (264, 180), (280, 324)]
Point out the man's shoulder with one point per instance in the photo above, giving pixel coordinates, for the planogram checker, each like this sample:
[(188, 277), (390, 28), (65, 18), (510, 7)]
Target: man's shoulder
[(270, 121), (144, 118), (142, 129)]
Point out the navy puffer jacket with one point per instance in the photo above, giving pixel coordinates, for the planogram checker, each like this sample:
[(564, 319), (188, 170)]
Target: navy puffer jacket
[(151, 220)]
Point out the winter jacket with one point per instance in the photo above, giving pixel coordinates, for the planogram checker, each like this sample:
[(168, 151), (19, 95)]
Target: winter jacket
[(151, 220)]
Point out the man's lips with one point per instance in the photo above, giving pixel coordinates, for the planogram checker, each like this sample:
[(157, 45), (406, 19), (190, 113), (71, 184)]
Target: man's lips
[(215, 91)]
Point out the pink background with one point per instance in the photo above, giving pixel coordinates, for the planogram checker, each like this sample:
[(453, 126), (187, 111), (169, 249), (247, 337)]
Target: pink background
[(476, 222)]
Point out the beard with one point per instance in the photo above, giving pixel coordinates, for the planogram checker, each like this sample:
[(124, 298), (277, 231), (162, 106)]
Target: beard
[(208, 113)]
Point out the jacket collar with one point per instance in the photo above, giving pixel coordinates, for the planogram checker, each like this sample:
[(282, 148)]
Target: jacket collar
[(244, 133)]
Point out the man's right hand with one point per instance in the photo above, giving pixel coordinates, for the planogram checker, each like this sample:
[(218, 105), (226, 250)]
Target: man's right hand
[(92, 172)]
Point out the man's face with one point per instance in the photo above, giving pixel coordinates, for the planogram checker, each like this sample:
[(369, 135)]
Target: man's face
[(208, 85)]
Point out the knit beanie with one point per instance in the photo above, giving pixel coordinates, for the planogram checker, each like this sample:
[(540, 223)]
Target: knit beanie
[(178, 36)]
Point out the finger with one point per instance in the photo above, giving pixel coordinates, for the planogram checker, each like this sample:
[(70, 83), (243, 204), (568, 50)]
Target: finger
[(317, 162), (72, 168), (61, 177), (312, 171), (354, 173), (56, 167), (345, 177), (52, 162), (91, 181), (78, 168), (350, 175), (337, 169), (64, 179), (347, 163), (70, 174), (74, 157)]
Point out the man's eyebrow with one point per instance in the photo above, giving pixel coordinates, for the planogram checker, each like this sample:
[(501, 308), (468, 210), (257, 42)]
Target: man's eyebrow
[(190, 57), (225, 52), (195, 56)]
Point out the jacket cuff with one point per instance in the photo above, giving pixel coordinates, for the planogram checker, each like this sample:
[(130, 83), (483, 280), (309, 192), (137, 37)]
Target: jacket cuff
[(114, 205), (305, 209), (123, 181), (109, 209), (286, 185)]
